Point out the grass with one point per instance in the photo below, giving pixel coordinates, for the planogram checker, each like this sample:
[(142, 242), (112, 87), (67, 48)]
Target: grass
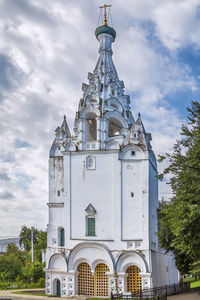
[(98, 299), (189, 279), (27, 293), (32, 293), (19, 287), (109, 298), (193, 282)]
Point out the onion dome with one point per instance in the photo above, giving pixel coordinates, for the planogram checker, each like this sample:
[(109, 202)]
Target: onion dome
[(105, 29)]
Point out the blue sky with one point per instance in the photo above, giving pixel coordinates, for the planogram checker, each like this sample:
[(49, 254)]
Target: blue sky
[(46, 50)]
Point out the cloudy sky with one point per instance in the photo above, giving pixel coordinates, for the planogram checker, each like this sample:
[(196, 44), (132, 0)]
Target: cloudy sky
[(46, 50)]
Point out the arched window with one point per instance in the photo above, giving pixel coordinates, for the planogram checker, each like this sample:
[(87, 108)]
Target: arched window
[(114, 127), (90, 226), (114, 106), (61, 237), (91, 127), (92, 130)]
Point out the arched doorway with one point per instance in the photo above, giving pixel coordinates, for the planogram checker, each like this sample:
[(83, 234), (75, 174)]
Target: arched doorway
[(93, 285), (58, 291), (85, 280), (134, 280), (101, 280)]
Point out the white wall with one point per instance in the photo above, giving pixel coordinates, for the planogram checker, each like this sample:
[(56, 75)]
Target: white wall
[(164, 271), (56, 172), (132, 176), (153, 205), (122, 222), (95, 187)]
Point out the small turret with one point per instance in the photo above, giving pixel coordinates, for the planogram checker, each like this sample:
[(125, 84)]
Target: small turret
[(59, 143), (138, 136), (65, 128)]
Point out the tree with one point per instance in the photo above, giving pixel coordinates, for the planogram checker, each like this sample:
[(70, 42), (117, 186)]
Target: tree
[(27, 272), (25, 237), (17, 264), (37, 271), (10, 266), (12, 249), (179, 225), (39, 240)]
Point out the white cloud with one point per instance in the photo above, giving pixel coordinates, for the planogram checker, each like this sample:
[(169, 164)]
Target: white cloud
[(178, 23), (47, 48)]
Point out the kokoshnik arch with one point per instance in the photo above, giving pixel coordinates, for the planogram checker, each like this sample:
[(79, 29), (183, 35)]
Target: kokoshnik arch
[(103, 194)]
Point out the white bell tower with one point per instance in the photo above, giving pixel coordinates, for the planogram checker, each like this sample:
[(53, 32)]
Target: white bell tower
[(103, 194)]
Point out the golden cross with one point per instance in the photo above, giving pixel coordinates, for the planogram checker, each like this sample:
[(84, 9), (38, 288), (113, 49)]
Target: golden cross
[(105, 13)]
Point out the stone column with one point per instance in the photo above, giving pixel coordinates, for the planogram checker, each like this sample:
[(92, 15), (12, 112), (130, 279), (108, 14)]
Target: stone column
[(105, 132), (72, 283), (81, 138), (64, 286), (49, 283), (112, 283), (99, 135), (146, 280), (122, 282)]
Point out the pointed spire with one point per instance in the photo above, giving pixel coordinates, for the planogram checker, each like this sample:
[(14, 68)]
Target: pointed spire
[(65, 128), (63, 132), (139, 123), (105, 90)]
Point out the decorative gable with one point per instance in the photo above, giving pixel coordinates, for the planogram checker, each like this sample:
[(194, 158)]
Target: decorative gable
[(90, 210)]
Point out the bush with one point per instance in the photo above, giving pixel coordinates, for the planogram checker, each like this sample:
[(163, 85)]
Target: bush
[(37, 271), (4, 285), (41, 282)]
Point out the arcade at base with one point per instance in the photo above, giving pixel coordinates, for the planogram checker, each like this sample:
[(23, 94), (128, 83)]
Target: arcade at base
[(92, 269)]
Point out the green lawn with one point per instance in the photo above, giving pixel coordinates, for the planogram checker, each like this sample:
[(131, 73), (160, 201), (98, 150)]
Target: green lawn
[(98, 299), (109, 299), (193, 282), (32, 293), (189, 279)]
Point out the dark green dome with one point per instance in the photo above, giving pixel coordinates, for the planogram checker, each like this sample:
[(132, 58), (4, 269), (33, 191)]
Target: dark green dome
[(105, 29)]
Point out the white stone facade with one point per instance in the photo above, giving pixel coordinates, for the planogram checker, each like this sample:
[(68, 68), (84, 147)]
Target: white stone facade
[(105, 171)]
